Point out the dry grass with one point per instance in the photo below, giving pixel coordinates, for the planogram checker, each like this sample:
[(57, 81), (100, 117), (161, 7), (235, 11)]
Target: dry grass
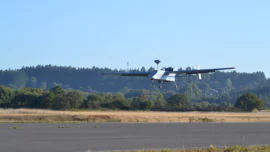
[(33, 115), (214, 149)]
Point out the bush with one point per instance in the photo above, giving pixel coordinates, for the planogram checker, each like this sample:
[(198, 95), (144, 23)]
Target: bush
[(178, 102), (248, 102)]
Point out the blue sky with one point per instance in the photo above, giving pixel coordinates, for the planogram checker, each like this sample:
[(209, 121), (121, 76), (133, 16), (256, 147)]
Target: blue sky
[(108, 33)]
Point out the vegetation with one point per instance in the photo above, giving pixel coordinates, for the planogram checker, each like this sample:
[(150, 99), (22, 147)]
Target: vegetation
[(38, 115), (214, 149), (59, 99), (15, 127), (249, 102), (216, 87), (178, 102), (65, 88)]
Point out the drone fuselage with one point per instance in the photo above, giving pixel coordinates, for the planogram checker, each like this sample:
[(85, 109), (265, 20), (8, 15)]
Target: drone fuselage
[(162, 76)]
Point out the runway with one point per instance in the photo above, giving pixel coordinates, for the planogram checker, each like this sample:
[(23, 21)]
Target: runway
[(46, 137)]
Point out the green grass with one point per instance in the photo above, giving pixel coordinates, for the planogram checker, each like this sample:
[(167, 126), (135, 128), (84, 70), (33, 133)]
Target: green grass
[(97, 126), (63, 127), (16, 127)]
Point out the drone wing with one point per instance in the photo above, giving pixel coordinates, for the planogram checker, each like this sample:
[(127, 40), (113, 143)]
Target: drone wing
[(141, 74), (199, 71)]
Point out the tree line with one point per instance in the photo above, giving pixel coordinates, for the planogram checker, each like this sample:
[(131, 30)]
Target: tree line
[(60, 99), (91, 79), (216, 88)]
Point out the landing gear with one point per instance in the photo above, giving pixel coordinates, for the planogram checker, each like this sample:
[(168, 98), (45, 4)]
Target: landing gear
[(175, 85), (152, 82), (160, 84), (155, 83)]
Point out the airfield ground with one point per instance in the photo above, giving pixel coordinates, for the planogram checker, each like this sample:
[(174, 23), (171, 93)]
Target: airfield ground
[(85, 137), (236, 148), (129, 130), (33, 115)]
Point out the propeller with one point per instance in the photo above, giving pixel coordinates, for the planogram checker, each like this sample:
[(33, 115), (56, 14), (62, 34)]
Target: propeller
[(157, 62)]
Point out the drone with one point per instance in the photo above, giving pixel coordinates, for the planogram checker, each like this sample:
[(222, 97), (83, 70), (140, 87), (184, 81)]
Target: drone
[(168, 74)]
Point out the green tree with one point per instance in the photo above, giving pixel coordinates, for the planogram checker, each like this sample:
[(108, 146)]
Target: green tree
[(248, 102), (61, 103), (33, 82), (6, 95), (55, 99), (119, 102), (27, 98), (57, 90), (146, 105), (43, 85), (229, 85), (159, 102), (47, 101), (75, 99), (143, 69), (141, 103), (93, 101), (19, 80), (178, 102), (193, 91), (135, 103), (69, 100)]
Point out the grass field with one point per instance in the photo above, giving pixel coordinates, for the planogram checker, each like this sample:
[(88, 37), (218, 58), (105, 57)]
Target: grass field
[(215, 149), (34, 115)]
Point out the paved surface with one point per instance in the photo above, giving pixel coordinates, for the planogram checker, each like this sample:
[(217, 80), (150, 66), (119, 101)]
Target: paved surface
[(117, 136)]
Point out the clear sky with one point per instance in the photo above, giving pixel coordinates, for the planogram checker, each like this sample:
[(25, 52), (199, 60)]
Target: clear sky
[(108, 33)]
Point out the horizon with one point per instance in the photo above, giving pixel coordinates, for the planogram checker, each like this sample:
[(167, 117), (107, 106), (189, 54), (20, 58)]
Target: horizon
[(210, 34), (138, 68)]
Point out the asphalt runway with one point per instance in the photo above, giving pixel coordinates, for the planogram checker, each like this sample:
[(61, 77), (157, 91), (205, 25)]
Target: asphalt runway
[(45, 137)]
